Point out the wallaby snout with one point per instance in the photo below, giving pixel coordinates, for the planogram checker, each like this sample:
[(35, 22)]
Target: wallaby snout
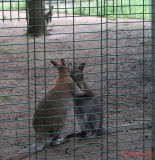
[(72, 75)]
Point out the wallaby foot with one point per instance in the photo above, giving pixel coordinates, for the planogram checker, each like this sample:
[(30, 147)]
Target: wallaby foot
[(81, 136), (58, 141)]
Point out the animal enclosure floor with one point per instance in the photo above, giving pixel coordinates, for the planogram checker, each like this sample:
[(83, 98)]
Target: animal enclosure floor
[(119, 70)]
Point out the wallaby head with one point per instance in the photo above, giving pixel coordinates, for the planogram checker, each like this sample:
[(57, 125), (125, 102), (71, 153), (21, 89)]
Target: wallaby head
[(76, 72), (61, 66)]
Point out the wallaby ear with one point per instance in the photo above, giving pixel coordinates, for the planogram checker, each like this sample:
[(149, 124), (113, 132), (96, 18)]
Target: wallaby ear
[(54, 63), (62, 62), (82, 66)]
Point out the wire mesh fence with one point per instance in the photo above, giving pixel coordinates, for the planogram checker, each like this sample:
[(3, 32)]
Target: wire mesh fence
[(76, 79)]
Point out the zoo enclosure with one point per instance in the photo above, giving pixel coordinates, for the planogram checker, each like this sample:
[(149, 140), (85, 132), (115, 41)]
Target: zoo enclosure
[(117, 51)]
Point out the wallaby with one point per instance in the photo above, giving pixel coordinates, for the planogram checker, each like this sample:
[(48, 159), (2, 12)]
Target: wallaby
[(48, 15), (50, 113), (88, 111)]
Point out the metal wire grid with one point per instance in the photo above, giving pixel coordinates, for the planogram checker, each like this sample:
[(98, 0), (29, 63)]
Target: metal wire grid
[(26, 76)]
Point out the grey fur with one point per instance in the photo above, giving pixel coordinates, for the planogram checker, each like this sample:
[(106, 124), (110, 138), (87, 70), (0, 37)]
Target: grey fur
[(87, 108), (88, 111)]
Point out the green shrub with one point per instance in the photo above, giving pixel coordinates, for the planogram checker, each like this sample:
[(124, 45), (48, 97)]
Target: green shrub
[(21, 5)]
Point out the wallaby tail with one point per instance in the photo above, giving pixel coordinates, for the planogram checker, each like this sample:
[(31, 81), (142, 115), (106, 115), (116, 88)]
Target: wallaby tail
[(27, 151), (109, 130)]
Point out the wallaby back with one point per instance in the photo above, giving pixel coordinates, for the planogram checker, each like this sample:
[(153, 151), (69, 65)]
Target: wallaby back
[(52, 108)]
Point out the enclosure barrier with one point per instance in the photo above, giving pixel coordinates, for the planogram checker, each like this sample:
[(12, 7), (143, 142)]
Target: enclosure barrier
[(111, 44), (153, 51)]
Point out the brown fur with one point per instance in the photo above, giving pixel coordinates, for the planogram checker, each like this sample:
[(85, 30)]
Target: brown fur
[(49, 15), (50, 113)]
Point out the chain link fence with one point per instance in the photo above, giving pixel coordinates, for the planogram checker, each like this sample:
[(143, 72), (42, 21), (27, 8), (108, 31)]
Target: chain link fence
[(109, 43)]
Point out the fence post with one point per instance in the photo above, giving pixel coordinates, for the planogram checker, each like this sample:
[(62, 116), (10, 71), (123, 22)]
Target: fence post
[(153, 78)]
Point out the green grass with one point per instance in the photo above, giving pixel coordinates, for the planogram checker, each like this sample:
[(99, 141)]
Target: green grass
[(4, 98), (2, 50), (122, 9), (13, 5)]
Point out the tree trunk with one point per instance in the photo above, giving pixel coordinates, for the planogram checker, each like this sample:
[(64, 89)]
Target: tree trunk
[(37, 22)]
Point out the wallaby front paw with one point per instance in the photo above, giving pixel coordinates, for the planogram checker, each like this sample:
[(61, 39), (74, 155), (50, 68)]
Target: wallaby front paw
[(80, 94)]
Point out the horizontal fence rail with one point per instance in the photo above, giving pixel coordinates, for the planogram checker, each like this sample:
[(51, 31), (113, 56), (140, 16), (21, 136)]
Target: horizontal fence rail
[(77, 79)]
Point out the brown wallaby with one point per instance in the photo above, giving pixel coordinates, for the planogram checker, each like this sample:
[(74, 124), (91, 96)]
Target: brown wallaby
[(88, 111), (48, 15), (50, 113)]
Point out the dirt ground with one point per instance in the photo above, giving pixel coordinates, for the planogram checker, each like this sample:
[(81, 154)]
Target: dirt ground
[(123, 67)]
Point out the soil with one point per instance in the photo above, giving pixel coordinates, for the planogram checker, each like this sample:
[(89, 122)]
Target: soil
[(120, 73)]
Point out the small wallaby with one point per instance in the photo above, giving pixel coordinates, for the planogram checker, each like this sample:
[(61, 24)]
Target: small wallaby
[(88, 111), (87, 108), (48, 15), (49, 116)]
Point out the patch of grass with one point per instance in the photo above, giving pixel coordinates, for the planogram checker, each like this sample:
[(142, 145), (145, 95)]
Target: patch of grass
[(4, 98), (13, 5), (2, 50), (112, 9)]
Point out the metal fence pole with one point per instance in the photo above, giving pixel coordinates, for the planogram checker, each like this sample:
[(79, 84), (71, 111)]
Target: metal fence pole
[(153, 77)]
